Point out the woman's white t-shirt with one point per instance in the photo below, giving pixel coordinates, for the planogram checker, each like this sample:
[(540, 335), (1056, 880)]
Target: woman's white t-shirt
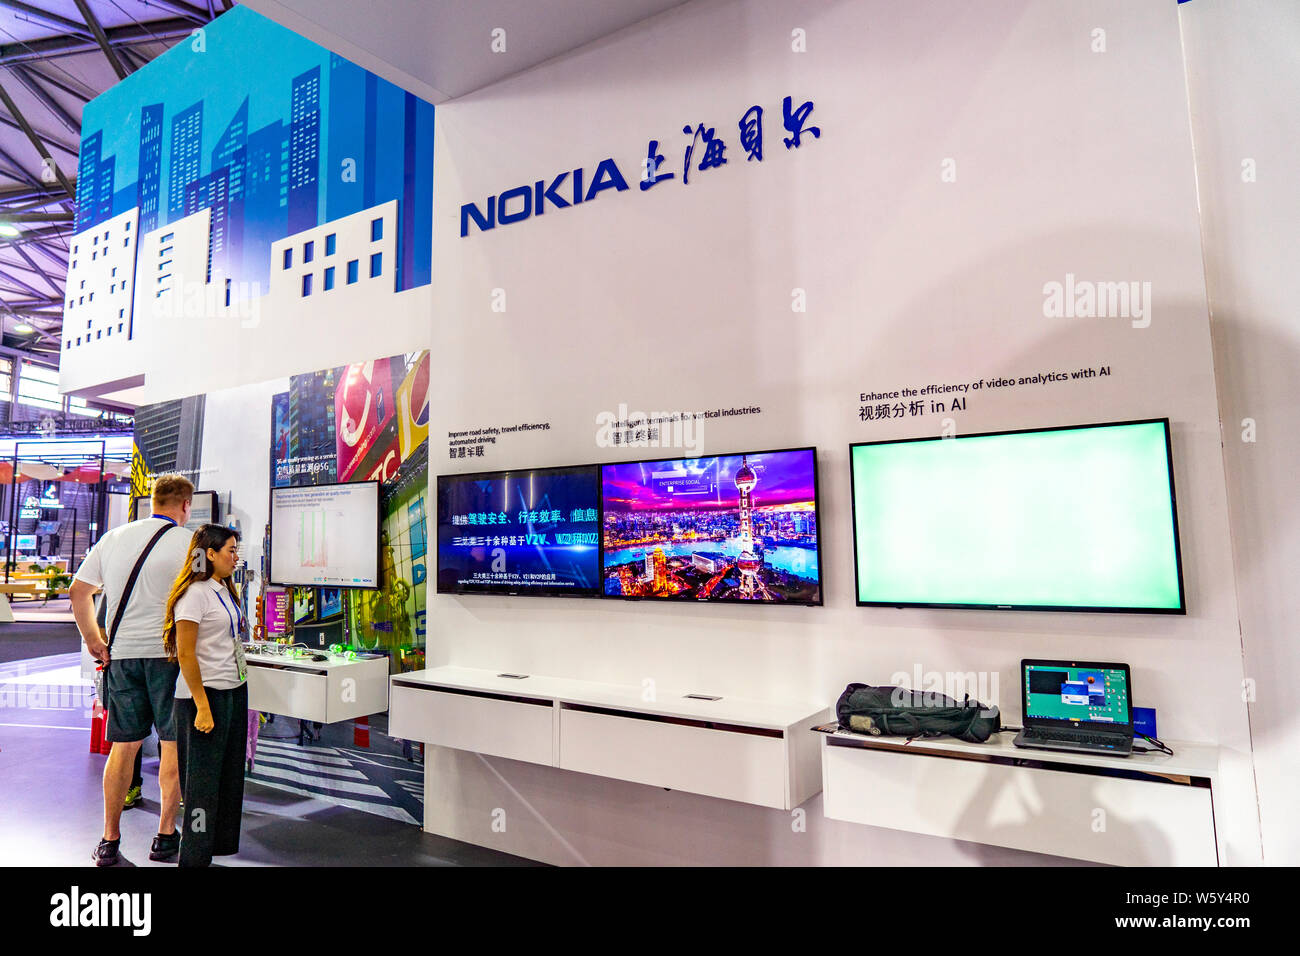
[(219, 646)]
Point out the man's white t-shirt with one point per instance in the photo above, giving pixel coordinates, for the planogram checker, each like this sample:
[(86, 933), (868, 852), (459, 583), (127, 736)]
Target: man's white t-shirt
[(109, 564), (218, 648)]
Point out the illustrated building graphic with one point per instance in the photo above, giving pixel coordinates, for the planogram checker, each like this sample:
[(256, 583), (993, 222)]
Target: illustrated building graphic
[(311, 156), (149, 166), (186, 156)]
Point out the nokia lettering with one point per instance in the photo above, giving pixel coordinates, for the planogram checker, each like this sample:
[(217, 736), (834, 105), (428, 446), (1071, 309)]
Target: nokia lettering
[(516, 205), (572, 188)]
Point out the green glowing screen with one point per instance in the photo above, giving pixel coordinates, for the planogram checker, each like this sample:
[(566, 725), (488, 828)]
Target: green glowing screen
[(1067, 518)]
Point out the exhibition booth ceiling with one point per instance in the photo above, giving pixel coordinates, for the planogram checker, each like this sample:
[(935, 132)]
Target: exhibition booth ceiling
[(442, 49)]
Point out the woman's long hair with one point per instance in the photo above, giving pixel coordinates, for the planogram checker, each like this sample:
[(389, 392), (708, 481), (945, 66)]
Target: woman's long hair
[(197, 567)]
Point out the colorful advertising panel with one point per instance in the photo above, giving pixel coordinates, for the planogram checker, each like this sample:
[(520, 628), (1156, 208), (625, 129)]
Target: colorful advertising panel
[(364, 405), (413, 407)]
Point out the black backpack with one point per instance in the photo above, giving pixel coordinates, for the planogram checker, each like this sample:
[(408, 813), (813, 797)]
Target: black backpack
[(903, 712)]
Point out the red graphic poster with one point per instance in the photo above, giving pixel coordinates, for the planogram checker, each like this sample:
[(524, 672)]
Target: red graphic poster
[(363, 404), (413, 407)]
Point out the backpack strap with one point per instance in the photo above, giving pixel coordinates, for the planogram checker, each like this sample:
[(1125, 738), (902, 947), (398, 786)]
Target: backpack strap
[(130, 581)]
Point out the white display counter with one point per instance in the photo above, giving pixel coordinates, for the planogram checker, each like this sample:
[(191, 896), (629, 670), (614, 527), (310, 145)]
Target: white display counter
[(323, 691), (751, 751), (1144, 810)]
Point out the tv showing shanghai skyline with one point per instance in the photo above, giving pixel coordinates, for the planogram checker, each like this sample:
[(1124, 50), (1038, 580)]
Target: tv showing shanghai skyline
[(728, 528)]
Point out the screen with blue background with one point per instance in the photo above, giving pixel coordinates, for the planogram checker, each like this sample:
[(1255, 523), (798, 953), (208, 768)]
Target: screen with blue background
[(1089, 694), (520, 532)]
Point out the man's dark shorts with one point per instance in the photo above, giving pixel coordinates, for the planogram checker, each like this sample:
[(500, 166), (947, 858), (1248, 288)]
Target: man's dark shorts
[(140, 694)]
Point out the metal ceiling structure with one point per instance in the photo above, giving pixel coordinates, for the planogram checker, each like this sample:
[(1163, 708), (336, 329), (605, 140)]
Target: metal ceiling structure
[(55, 56)]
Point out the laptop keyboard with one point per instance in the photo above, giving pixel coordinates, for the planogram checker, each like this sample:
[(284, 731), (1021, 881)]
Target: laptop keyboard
[(1073, 738)]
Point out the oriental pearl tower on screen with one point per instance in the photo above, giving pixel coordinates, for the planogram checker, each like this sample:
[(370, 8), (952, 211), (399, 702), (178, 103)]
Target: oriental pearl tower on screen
[(748, 563)]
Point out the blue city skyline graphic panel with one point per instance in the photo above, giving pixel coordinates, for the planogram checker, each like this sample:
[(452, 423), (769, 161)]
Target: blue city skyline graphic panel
[(270, 131)]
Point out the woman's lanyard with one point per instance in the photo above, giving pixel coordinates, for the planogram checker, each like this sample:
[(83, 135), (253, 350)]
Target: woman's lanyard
[(240, 666), (236, 620)]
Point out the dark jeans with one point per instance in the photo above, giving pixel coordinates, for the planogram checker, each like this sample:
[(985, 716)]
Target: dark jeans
[(212, 775)]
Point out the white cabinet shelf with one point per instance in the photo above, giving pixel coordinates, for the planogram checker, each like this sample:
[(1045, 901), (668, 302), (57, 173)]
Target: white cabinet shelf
[(1144, 810), (323, 691), (758, 752)]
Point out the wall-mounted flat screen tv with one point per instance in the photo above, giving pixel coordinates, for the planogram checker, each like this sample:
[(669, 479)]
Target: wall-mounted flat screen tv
[(729, 528), (326, 536), (534, 531), (1079, 518)]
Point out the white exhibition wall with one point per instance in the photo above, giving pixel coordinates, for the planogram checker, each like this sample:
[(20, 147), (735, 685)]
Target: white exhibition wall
[(969, 156), (1242, 71)]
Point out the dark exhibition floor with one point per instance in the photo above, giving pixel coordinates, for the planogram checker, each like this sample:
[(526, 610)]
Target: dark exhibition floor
[(301, 804)]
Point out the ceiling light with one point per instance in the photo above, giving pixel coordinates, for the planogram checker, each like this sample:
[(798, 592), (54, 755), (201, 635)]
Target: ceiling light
[(9, 230), (22, 328)]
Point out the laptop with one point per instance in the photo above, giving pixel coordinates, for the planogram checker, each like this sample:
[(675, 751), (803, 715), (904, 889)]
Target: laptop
[(1078, 706)]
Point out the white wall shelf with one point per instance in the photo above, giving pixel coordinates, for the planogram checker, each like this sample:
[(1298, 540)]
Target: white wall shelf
[(758, 752), (1144, 810)]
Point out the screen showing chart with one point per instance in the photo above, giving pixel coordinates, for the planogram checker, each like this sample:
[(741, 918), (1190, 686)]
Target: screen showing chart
[(1085, 694), (1079, 518), (728, 528), (326, 535), (520, 532)]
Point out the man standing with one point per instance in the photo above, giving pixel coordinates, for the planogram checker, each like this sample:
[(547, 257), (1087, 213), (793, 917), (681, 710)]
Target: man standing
[(136, 565)]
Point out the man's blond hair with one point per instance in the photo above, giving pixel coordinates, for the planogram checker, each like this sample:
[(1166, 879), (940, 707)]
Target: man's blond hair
[(171, 491)]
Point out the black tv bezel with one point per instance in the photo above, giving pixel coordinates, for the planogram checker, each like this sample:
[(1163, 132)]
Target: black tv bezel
[(506, 591), (1053, 722), (379, 527), (1083, 609), (817, 510)]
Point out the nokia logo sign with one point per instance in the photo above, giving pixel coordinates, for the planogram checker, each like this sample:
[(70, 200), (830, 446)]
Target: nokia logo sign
[(521, 202), (706, 149)]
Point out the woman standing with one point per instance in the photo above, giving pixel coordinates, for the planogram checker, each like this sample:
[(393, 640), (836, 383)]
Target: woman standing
[(204, 630)]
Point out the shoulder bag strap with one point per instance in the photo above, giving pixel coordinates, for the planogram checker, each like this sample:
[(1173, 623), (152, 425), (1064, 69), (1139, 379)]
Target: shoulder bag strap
[(130, 581)]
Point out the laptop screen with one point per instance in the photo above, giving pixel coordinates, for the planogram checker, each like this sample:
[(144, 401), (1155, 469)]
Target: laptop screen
[(1087, 693)]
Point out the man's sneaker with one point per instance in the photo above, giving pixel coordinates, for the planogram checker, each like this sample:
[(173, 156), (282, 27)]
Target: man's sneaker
[(132, 798), (106, 853), (165, 847)]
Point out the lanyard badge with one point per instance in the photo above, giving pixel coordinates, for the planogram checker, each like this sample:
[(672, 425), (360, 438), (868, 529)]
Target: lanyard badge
[(236, 633)]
